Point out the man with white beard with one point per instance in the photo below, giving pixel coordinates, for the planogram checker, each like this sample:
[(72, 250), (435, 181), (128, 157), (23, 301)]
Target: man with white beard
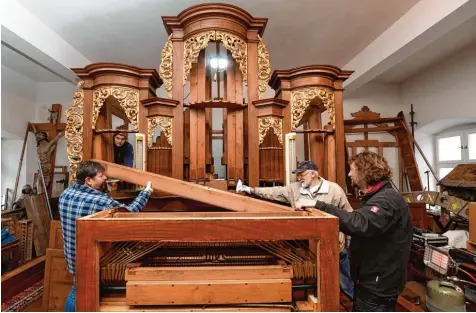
[(309, 188)]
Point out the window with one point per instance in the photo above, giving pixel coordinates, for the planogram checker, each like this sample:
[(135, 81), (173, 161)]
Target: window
[(455, 148)]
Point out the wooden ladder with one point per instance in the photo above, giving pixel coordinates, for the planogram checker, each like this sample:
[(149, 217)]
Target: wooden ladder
[(408, 154), (405, 142)]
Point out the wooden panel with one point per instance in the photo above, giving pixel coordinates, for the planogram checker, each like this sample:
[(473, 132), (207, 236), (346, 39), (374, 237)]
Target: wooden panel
[(316, 143), (271, 157), (208, 273), (160, 156), (226, 200), (253, 138), (90, 231), (239, 145), (177, 93), (56, 235), (211, 292), (472, 219), (36, 209), (58, 281), (22, 277), (119, 305)]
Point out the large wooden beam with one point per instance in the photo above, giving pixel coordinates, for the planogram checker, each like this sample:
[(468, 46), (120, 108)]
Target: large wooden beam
[(227, 200)]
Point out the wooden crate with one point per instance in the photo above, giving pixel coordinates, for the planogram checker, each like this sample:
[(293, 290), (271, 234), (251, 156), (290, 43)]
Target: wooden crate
[(58, 281)]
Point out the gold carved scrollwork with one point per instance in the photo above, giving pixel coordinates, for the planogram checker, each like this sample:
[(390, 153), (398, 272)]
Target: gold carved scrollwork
[(128, 99), (264, 67), (238, 49), (74, 131), (265, 123), (192, 48), (301, 98), (193, 45), (166, 66), (165, 124)]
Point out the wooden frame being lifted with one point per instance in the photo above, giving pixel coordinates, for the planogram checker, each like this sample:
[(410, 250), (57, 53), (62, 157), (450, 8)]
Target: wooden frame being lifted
[(111, 226)]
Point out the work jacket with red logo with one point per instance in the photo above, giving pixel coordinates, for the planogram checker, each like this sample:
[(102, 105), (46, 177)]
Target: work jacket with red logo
[(381, 231)]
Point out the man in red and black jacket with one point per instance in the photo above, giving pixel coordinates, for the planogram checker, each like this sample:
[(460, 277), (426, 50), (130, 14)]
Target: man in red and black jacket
[(381, 235)]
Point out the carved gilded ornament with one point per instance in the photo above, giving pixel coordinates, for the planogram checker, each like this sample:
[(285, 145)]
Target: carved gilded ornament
[(301, 99), (74, 131), (128, 100), (264, 67), (274, 122), (165, 124), (166, 66), (198, 42)]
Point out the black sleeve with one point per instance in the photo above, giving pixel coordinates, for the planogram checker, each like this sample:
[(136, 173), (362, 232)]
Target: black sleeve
[(368, 221)]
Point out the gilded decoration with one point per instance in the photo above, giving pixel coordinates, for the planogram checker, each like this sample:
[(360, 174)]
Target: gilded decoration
[(264, 67), (166, 67), (301, 99), (238, 49), (165, 124), (265, 123), (74, 131), (128, 100), (193, 45), (192, 48)]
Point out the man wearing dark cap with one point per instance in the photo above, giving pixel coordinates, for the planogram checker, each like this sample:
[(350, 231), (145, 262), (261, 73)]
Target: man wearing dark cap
[(309, 188)]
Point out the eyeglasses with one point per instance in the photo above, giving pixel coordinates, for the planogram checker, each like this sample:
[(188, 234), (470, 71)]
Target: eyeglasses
[(302, 174)]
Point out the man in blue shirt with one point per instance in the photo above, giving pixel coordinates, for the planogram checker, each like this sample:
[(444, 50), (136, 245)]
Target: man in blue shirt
[(84, 198)]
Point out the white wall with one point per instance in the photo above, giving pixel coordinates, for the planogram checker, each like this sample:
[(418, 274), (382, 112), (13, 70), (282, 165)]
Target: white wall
[(23, 101), (46, 95), (443, 96), (381, 98), (18, 102), (18, 108), (446, 90)]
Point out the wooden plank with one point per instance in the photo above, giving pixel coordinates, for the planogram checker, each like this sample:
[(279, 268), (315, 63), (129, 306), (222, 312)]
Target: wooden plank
[(208, 273), (22, 277), (194, 115), (177, 93), (211, 215), (58, 281), (56, 235), (239, 121), (37, 211), (220, 198), (253, 138), (371, 143), (120, 306), (360, 121), (201, 139), (209, 292), (349, 130)]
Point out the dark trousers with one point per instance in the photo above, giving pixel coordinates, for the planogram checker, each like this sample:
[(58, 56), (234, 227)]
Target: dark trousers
[(365, 301)]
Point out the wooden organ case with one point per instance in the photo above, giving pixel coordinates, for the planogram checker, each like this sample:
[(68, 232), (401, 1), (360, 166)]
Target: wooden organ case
[(252, 258)]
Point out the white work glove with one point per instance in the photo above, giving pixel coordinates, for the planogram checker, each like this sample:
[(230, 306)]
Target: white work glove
[(149, 187), (240, 187)]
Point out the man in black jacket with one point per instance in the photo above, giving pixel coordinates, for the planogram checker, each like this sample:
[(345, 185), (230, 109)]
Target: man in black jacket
[(381, 235)]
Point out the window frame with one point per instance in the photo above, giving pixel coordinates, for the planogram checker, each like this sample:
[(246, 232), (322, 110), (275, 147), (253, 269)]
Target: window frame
[(464, 135)]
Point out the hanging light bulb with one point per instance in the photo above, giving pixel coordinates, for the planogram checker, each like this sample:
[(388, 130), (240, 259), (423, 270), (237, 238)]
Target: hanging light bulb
[(218, 63)]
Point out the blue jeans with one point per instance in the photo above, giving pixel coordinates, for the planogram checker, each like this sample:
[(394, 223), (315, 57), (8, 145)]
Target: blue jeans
[(346, 284), (70, 305), (365, 301)]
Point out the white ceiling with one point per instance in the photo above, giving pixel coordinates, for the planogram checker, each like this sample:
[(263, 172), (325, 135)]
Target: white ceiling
[(16, 61), (440, 49), (299, 32)]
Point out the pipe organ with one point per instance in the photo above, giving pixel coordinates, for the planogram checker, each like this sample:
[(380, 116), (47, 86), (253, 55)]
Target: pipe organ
[(213, 127)]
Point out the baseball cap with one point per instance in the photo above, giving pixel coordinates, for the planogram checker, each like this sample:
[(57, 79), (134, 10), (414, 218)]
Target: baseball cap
[(305, 166)]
